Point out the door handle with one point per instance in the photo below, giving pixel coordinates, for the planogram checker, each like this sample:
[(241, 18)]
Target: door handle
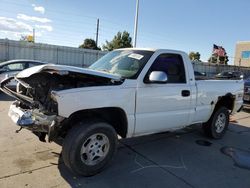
[(185, 93)]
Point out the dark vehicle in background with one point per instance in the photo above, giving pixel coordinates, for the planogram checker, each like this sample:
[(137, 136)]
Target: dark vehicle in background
[(246, 97), (234, 75), (200, 75), (13, 67)]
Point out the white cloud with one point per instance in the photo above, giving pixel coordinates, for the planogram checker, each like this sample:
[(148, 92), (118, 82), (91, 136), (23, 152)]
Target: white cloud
[(33, 18), (14, 28), (17, 35), (10, 24), (45, 27), (39, 9)]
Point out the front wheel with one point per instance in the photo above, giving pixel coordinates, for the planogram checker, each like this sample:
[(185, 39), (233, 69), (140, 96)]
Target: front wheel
[(217, 125), (89, 147)]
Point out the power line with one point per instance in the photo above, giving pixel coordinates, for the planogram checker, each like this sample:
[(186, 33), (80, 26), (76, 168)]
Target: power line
[(51, 11), (105, 29), (48, 9), (70, 22), (83, 24)]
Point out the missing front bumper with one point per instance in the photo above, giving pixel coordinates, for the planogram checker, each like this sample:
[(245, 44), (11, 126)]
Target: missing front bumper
[(34, 120)]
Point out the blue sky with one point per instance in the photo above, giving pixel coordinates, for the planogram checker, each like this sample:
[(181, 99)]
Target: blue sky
[(190, 25)]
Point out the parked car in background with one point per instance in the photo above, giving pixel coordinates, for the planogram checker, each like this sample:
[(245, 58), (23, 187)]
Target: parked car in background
[(246, 97), (200, 75), (13, 67), (230, 75)]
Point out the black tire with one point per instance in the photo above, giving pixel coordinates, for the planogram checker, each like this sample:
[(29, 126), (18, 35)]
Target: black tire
[(81, 138), (213, 129)]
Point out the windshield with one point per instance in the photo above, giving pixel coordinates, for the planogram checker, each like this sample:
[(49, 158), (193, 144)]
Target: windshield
[(125, 63)]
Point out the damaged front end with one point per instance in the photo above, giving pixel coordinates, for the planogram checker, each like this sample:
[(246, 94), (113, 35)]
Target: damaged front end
[(38, 116), (34, 120), (36, 107)]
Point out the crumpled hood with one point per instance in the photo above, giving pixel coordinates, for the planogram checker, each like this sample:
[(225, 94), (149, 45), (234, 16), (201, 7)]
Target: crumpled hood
[(37, 85), (61, 68)]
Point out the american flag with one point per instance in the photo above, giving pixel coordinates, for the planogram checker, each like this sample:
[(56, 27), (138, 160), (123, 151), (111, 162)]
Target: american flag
[(219, 50)]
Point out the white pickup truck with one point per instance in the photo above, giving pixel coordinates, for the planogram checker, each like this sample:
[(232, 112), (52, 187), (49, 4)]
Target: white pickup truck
[(128, 92)]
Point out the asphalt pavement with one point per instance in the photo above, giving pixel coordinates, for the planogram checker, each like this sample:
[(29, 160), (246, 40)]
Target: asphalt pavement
[(185, 158)]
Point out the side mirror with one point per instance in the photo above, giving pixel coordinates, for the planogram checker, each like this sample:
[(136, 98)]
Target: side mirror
[(158, 77)]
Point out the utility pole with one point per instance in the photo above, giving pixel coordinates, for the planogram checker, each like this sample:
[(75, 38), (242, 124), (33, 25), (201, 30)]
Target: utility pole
[(97, 32), (136, 23), (33, 35)]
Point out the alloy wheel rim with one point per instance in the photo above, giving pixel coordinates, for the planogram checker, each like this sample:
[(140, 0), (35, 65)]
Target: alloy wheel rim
[(95, 149), (220, 123)]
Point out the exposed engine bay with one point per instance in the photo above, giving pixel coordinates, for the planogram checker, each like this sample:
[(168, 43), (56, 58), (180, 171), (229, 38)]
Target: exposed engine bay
[(36, 107), (36, 91)]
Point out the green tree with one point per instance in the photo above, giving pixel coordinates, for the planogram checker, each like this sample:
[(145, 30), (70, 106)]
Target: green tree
[(194, 56), (89, 44), (120, 40)]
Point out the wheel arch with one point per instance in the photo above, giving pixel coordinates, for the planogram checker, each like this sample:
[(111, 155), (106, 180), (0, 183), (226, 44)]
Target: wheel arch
[(226, 101), (115, 116)]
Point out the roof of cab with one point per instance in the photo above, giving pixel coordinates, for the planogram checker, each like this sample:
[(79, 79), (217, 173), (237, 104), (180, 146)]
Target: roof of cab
[(152, 49)]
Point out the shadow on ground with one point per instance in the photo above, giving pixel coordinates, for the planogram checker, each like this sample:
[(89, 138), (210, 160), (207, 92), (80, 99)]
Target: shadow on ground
[(4, 97), (127, 168), (246, 108), (178, 159)]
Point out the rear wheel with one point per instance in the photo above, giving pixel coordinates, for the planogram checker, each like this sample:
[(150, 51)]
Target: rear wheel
[(89, 147), (217, 125)]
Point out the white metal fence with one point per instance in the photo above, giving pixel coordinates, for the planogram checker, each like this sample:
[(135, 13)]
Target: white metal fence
[(10, 49), (212, 69)]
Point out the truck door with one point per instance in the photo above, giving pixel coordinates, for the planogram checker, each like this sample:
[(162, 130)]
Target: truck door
[(163, 106)]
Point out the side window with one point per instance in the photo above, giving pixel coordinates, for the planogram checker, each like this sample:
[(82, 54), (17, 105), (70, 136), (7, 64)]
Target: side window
[(34, 64), (172, 65), (15, 67)]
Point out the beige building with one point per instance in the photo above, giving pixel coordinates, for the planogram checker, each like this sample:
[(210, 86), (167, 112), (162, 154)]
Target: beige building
[(242, 54)]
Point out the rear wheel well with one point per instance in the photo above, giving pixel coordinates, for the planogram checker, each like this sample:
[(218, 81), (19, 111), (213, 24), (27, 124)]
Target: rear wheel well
[(115, 116), (226, 101)]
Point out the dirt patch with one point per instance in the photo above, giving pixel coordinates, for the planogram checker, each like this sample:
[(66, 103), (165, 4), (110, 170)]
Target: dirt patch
[(24, 164), (45, 155)]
